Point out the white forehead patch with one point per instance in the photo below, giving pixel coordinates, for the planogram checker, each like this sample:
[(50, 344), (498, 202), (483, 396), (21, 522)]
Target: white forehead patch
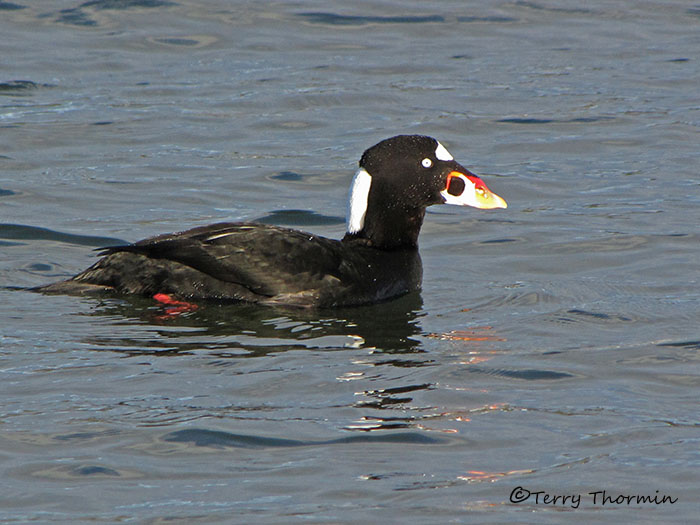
[(442, 154), (357, 205)]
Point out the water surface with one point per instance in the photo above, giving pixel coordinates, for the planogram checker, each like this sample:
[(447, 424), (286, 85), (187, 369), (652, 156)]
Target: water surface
[(554, 345)]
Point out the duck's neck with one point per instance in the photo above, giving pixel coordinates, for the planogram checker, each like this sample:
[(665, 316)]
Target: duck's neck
[(390, 229)]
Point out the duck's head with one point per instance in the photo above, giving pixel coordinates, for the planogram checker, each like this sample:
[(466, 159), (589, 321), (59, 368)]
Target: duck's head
[(400, 177)]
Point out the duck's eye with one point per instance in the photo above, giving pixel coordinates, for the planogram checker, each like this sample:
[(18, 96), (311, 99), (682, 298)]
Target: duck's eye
[(427, 163)]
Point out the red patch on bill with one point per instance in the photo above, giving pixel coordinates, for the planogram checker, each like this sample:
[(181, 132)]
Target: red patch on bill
[(478, 183)]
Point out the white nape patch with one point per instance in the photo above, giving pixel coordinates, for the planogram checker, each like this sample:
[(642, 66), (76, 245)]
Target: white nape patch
[(359, 196), (442, 154)]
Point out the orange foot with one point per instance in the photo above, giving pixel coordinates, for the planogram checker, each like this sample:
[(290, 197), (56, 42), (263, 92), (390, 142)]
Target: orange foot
[(174, 307)]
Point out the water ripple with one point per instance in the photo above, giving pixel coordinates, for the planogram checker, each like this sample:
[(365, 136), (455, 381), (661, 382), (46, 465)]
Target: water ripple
[(215, 438), (31, 233), (78, 17), (347, 20), (9, 6)]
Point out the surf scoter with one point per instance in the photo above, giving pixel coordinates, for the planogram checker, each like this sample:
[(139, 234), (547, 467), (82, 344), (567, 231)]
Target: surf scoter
[(376, 260)]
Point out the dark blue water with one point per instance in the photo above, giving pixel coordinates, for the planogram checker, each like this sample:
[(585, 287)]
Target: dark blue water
[(554, 345)]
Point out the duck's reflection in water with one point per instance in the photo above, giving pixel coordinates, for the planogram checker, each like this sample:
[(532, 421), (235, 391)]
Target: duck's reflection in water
[(144, 326)]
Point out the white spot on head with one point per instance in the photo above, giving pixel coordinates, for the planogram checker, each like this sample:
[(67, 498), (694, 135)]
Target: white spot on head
[(442, 154), (357, 205)]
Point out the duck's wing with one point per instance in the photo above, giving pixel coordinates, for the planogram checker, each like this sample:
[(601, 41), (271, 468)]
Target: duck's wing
[(267, 260)]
